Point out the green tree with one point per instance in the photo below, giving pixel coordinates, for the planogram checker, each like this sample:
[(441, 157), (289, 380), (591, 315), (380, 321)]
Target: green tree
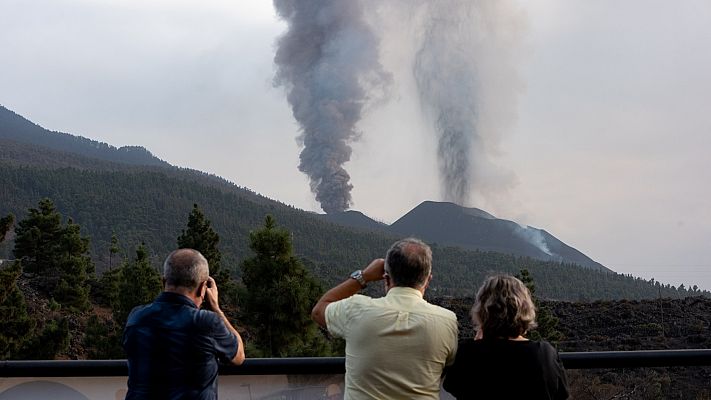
[(53, 339), (75, 266), (280, 294), (108, 288), (200, 236), (38, 238), (58, 254), (547, 321), (139, 283), (16, 325), (113, 249), (102, 339)]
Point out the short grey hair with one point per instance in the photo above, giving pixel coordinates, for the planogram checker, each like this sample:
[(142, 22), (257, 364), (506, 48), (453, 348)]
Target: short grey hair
[(409, 263), (503, 308), (185, 268)]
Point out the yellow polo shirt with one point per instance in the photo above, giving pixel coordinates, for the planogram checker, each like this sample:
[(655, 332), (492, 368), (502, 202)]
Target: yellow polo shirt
[(396, 346)]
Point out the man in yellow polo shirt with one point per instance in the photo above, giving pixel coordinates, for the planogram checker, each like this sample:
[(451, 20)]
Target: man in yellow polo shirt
[(397, 345)]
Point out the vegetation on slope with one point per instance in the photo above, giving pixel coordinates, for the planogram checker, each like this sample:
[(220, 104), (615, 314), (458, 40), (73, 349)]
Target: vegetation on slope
[(150, 206)]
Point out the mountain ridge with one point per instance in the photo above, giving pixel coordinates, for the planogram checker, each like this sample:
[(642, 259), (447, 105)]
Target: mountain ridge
[(18, 128), (450, 224)]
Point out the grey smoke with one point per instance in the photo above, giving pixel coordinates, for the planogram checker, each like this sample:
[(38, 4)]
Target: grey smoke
[(464, 65), (445, 72), (468, 85), (328, 63)]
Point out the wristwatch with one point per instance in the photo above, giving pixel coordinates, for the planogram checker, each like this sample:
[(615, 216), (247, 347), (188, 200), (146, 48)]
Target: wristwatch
[(358, 276)]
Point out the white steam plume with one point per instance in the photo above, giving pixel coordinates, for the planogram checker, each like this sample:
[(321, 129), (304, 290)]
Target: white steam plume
[(468, 83)]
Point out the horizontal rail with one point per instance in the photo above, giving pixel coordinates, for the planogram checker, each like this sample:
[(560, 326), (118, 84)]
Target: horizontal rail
[(336, 365), (636, 359)]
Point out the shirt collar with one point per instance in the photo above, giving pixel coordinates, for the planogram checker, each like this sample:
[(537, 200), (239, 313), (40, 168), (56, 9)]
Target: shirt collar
[(175, 298), (404, 291)]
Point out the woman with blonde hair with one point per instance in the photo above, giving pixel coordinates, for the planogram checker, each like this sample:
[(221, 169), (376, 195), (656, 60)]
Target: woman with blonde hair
[(500, 363)]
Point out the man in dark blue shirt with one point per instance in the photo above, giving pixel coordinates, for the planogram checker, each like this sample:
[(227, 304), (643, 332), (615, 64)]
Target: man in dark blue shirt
[(172, 345)]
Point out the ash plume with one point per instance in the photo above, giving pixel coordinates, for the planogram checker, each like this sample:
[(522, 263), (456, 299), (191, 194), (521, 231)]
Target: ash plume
[(465, 71), (328, 63)]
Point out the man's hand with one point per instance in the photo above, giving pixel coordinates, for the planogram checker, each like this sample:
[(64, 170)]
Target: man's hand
[(211, 295), (375, 271)]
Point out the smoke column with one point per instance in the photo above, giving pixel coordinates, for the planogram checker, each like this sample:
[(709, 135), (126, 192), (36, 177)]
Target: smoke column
[(328, 63), (467, 83)]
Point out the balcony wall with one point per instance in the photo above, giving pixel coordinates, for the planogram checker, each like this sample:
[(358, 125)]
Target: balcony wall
[(266, 379)]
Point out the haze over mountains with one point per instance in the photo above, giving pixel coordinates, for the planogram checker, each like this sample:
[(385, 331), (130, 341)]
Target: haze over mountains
[(141, 198)]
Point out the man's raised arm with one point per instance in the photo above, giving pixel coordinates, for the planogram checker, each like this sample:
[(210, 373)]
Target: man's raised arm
[(373, 272)]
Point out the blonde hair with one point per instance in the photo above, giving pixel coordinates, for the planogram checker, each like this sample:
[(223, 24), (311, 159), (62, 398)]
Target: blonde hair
[(503, 308)]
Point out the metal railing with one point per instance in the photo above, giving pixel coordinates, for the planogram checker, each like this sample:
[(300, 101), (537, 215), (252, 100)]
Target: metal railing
[(336, 365)]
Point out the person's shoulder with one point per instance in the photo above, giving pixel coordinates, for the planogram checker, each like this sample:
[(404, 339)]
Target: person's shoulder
[(356, 299), (441, 311), (206, 317), (545, 349), (137, 313), (543, 346)]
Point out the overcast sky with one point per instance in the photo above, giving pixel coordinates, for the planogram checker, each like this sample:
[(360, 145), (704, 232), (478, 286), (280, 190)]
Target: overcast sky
[(608, 147)]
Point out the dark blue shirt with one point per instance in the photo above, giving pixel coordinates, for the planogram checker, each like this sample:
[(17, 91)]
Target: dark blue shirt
[(173, 348)]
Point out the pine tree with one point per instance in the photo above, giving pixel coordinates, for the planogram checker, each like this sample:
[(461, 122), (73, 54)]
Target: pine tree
[(200, 236), (75, 266), (53, 339), (57, 254), (113, 249), (38, 238), (139, 283), (108, 288), (280, 294), (16, 325), (102, 339), (547, 321)]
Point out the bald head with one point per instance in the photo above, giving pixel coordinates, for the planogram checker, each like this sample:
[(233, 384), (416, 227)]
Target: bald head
[(409, 263), (185, 268)]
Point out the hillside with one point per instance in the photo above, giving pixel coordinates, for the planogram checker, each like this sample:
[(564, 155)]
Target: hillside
[(150, 203), (16, 128), (449, 224), (474, 229)]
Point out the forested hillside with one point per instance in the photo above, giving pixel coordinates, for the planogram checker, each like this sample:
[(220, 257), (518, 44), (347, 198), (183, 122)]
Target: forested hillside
[(151, 207)]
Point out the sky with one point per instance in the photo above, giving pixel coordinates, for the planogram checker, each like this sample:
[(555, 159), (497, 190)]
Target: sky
[(605, 144)]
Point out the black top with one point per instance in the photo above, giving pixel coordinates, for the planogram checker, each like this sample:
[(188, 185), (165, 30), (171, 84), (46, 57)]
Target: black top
[(172, 349), (506, 369)]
